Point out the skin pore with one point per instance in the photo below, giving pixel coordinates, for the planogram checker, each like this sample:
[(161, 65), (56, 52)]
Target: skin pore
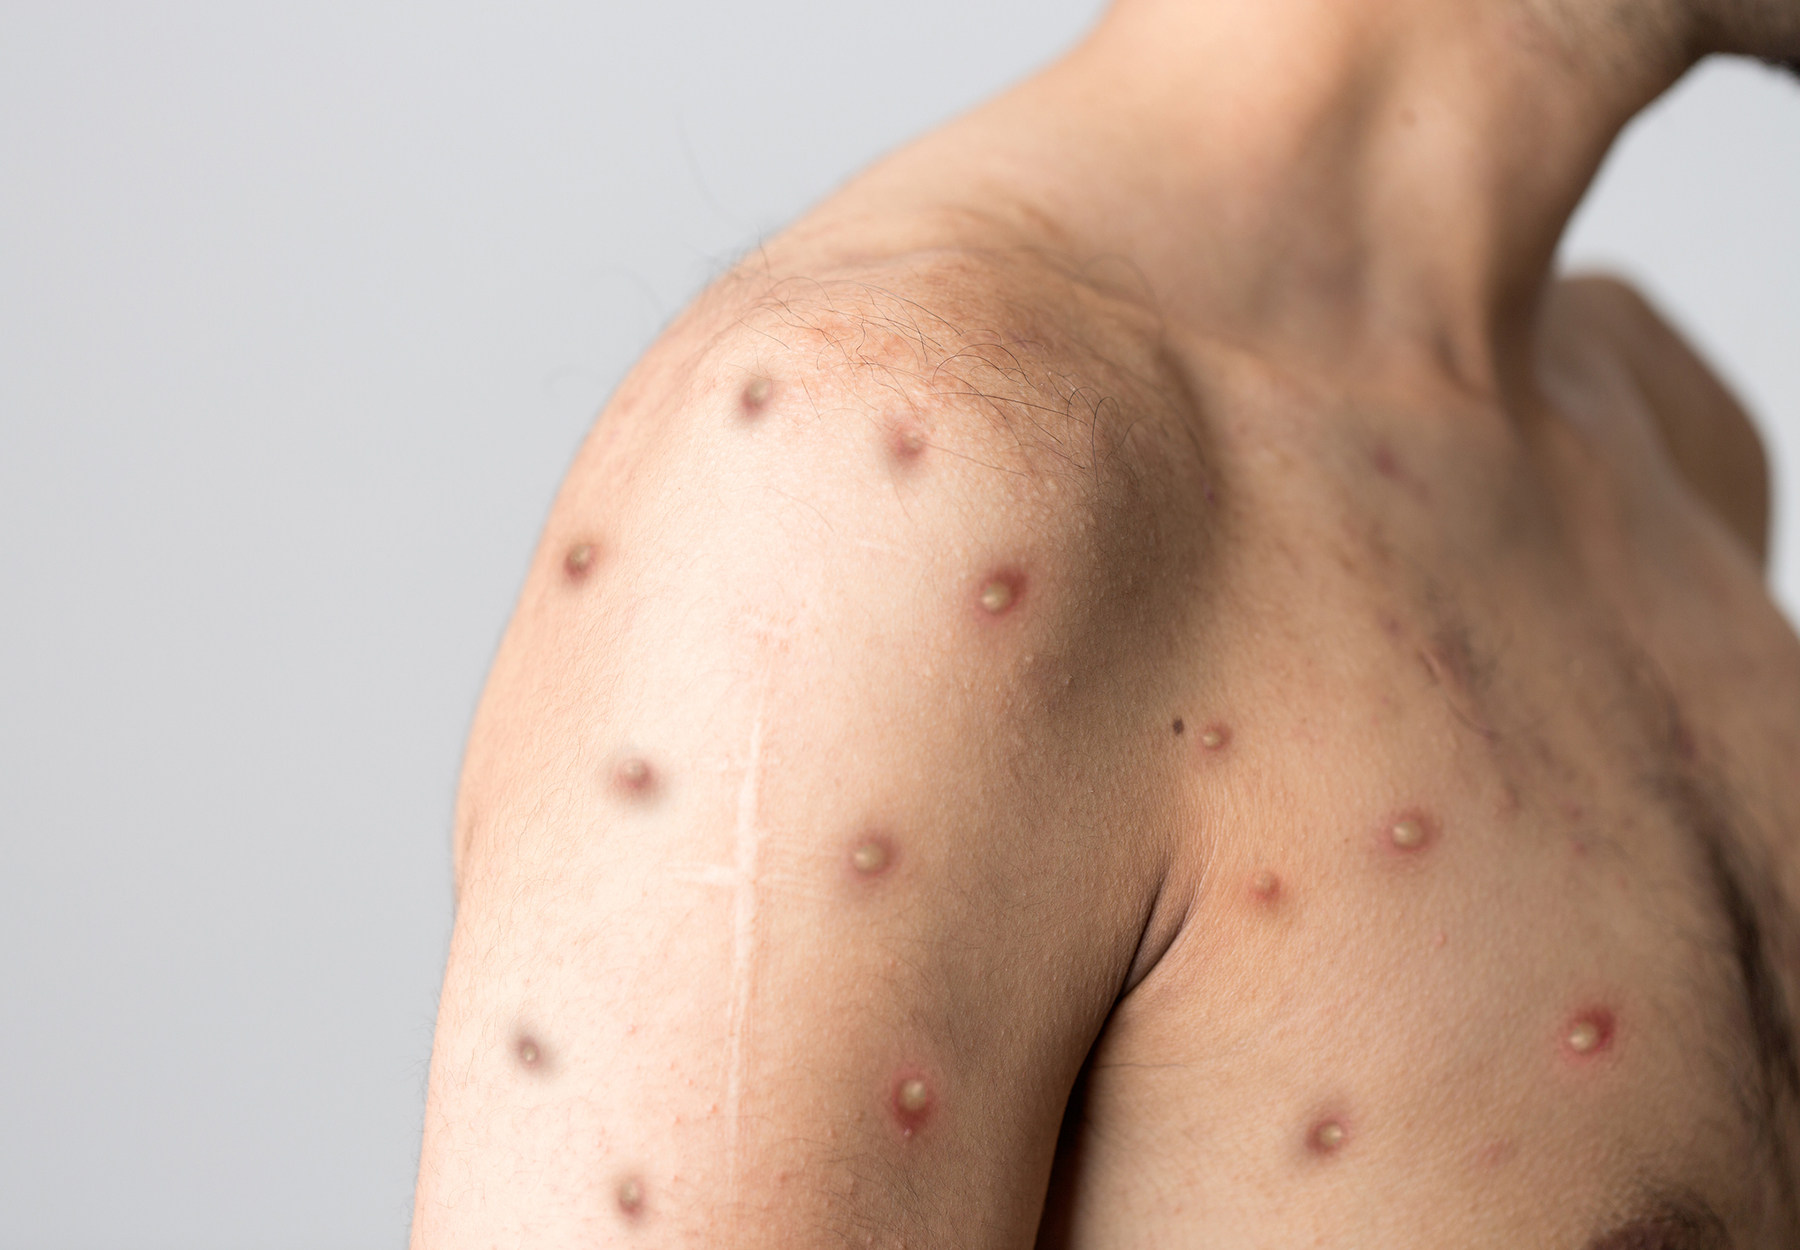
[(1145, 676)]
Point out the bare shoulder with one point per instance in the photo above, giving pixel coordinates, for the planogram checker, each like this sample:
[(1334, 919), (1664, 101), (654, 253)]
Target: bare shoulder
[(804, 842), (1705, 430)]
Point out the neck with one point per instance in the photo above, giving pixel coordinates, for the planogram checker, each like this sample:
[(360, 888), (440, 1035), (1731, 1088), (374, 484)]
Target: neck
[(1357, 184)]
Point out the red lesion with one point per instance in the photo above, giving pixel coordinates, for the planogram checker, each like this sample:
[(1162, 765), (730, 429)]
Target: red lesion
[(911, 1101), (580, 558), (629, 1195), (633, 777), (1000, 592), (755, 396), (1410, 832), (871, 856), (1589, 1034), (906, 443), (1327, 1136)]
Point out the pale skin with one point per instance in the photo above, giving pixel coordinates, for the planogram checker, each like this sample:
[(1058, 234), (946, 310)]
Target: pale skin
[(1145, 676)]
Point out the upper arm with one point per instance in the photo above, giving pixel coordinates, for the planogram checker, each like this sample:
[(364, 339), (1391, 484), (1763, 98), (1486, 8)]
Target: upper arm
[(782, 904)]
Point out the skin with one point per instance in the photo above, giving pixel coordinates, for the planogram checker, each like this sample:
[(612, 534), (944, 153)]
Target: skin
[(1144, 676)]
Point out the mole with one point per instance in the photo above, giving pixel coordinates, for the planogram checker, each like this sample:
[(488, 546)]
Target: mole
[(1180, 726)]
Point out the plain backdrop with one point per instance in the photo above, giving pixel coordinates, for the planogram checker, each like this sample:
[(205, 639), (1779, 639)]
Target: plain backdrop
[(303, 310)]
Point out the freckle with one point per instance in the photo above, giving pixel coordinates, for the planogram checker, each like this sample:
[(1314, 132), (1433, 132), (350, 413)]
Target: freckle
[(756, 395), (634, 776), (1215, 736), (630, 1196), (578, 561), (870, 857), (1328, 1138), (1590, 1033)]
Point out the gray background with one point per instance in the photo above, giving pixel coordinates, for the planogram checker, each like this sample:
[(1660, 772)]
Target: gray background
[(302, 314)]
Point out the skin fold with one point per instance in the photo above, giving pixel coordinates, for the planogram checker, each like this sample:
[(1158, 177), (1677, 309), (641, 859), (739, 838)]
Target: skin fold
[(1146, 676)]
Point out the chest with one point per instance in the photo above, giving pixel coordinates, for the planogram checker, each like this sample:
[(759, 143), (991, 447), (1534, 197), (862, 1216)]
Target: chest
[(1479, 864)]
